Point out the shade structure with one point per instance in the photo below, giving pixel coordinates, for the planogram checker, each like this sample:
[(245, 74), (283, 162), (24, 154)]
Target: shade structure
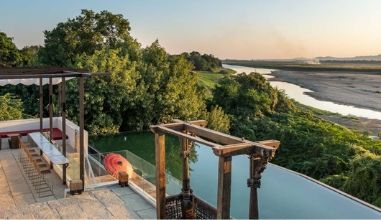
[(52, 76), (28, 82)]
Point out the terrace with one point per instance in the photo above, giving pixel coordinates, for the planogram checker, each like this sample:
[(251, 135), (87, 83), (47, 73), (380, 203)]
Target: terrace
[(43, 159)]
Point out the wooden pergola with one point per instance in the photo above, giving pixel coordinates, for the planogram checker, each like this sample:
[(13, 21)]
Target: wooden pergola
[(37, 76), (187, 205)]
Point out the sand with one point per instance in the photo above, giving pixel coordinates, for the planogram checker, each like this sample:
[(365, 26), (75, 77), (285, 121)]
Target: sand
[(358, 89), (362, 90)]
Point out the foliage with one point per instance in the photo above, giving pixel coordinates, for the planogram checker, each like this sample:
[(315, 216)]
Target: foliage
[(141, 86), (203, 62), (29, 56), (218, 120), (320, 149), (28, 95), (86, 33), (10, 107), (365, 177), (9, 54)]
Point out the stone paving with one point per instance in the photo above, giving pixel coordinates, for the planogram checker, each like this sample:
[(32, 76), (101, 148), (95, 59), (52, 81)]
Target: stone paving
[(15, 188), (107, 203), (19, 200)]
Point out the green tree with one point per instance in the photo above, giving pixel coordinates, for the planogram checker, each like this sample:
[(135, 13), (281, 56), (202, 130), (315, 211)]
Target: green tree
[(107, 96), (10, 107), (9, 54), (205, 62), (87, 33), (218, 120), (29, 56)]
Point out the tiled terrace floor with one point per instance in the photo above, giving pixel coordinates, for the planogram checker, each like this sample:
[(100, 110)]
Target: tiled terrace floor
[(107, 203), (19, 200), (15, 188)]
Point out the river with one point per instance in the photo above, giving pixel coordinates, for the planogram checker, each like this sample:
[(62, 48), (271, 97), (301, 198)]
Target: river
[(300, 95)]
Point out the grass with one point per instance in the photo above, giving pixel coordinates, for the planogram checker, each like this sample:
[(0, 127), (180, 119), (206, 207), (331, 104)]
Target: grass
[(209, 79)]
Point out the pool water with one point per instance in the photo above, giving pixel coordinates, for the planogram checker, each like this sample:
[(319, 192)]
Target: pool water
[(283, 194)]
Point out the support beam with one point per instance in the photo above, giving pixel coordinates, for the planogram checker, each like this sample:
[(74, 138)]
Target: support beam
[(63, 115), (247, 147), (258, 163), (214, 136), (160, 175), (183, 135), (185, 160), (81, 131), (254, 184), (187, 208), (253, 206), (50, 109), (224, 187), (41, 105)]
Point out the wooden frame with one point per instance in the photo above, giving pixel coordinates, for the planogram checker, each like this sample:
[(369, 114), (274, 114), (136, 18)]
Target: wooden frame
[(225, 147), (50, 73)]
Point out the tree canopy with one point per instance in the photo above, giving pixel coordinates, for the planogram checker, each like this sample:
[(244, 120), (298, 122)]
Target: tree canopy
[(87, 33), (142, 85), (10, 107), (9, 54), (205, 62)]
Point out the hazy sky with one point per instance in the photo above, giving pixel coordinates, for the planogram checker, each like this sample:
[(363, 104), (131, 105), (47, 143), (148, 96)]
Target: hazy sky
[(249, 29)]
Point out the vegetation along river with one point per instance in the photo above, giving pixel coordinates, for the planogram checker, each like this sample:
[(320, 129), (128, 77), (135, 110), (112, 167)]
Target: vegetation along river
[(301, 95)]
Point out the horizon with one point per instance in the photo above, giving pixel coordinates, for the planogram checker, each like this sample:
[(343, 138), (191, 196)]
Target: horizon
[(273, 29)]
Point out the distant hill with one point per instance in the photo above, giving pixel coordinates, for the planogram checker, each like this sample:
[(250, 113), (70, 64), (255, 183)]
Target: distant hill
[(356, 58)]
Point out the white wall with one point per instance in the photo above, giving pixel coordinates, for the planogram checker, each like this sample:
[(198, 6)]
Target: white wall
[(72, 130)]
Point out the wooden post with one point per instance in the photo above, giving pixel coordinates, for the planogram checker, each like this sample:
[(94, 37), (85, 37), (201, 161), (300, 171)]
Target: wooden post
[(63, 117), (253, 183), (160, 175), (253, 207), (224, 187), (187, 202), (81, 131), (185, 152), (50, 109), (41, 105)]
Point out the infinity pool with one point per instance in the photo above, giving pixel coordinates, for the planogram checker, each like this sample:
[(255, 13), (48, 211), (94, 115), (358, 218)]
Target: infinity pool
[(283, 194)]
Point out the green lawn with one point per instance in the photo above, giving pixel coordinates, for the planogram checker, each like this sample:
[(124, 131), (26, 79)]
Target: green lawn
[(209, 79)]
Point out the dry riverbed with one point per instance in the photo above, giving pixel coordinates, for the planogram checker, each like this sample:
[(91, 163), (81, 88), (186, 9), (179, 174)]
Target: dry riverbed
[(362, 90), (356, 89)]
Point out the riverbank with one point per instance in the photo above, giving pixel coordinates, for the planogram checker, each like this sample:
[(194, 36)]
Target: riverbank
[(372, 127), (359, 90), (335, 87)]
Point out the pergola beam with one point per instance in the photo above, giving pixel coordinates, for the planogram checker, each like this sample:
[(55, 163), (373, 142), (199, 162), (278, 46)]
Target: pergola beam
[(215, 136), (163, 129), (247, 147)]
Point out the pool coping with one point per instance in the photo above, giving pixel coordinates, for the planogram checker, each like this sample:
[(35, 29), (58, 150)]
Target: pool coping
[(331, 188)]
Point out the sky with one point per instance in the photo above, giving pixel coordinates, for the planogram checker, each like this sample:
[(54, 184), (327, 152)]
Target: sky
[(237, 29)]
